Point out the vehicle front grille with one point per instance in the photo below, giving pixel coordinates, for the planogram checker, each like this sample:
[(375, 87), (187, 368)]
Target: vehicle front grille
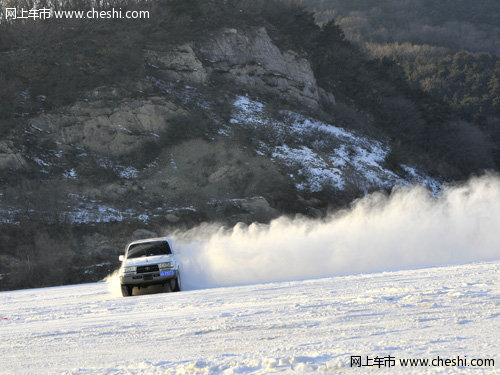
[(144, 269)]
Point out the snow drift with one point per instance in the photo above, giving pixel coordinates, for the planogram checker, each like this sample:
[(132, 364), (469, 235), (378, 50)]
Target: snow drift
[(407, 229)]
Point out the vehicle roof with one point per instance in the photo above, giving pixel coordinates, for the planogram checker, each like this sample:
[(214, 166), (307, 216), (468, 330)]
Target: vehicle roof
[(151, 240)]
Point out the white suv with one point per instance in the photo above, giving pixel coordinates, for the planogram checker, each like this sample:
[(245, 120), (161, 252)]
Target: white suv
[(149, 262)]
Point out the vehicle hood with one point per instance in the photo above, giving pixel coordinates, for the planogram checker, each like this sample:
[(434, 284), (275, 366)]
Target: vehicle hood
[(144, 261)]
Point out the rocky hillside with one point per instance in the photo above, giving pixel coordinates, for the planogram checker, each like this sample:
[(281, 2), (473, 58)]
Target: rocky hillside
[(129, 130)]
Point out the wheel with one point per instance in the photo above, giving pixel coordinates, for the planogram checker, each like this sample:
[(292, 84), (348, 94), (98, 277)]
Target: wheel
[(166, 287), (172, 285), (127, 290), (177, 284)]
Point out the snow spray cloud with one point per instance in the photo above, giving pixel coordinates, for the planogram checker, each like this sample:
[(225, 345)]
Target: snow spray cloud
[(409, 228), (113, 282)]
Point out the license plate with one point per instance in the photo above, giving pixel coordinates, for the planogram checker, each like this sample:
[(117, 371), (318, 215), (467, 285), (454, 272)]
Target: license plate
[(167, 273)]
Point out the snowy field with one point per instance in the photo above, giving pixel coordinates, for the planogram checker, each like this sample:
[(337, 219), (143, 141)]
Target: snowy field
[(291, 327)]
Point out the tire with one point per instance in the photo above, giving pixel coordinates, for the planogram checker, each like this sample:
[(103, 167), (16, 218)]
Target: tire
[(166, 287), (127, 290), (177, 285), (172, 283)]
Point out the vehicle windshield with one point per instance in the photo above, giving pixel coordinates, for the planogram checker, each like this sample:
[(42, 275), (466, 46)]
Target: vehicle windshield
[(147, 249)]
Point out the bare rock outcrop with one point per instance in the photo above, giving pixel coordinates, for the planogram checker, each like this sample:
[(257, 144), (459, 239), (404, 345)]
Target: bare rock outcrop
[(108, 128), (10, 158), (180, 63), (259, 207), (250, 58)]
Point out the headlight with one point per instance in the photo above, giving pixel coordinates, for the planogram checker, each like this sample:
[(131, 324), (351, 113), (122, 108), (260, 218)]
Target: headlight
[(129, 269), (165, 265)]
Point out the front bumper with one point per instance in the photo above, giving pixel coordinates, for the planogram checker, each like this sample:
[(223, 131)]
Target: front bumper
[(149, 278)]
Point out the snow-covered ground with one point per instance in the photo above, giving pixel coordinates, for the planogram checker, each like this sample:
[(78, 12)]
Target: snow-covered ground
[(295, 326)]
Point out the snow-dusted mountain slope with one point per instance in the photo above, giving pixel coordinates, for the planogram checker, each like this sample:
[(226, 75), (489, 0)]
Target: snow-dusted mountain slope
[(307, 153), (322, 155), (289, 327)]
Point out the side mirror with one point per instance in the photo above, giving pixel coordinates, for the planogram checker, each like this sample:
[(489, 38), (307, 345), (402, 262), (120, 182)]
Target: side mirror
[(120, 258)]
